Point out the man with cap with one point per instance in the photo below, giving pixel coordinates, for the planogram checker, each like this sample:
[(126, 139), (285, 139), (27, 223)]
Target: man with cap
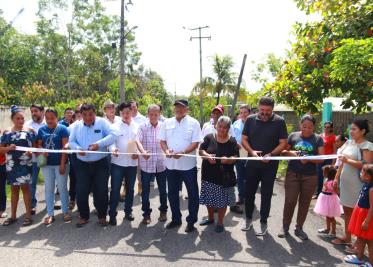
[(180, 137), (109, 112), (209, 127)]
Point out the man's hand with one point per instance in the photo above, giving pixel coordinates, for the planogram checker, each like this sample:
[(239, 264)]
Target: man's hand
[(178, 155), (82, 153), (169, 153), (93, 147), (115, 152), (62, 169), (134, 156), (256, 154), (265, 156), (146, 155)]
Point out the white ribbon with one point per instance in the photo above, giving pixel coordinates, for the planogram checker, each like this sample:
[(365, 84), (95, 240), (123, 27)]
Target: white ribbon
[(44, 150)]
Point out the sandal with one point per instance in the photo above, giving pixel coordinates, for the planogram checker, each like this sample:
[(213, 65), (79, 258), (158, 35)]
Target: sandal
[(49, 220), (353, 259), (71, 205), (323, 231), (206, 222), (9, 221), (27, 222), (351, 250), (339, 241), (67, 217), (3, 215)]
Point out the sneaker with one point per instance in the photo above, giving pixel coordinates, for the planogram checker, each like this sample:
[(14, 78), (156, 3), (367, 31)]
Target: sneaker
[(301, 234), (206, 222), (247, 225), (219, 228), (323, 231), (284, 232), (237, 209), (263, 230), (172, 225), (162, 217), (190, 228)]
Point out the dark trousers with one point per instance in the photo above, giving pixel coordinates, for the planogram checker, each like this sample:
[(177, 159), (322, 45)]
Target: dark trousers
[(266, 177), (146, 178), (72, 176), (241, 173), (93, 175), (174, 179), (118, 173), (2, 188), (34, 182), (320, 175)]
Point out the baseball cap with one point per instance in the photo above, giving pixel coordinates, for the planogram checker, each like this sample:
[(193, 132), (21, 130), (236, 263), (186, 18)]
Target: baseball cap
[(220, 108), (182, 102)]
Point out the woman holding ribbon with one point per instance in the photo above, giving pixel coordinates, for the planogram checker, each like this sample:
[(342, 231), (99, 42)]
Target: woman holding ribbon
[(18, 163), (56, 169), (218, 177), (301, 176), (353, 154)]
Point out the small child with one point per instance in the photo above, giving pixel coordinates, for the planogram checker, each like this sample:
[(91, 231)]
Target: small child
[(328, 202), (361, 223)]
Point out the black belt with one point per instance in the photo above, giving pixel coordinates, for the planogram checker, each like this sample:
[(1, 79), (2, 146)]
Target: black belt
[(327, 193)]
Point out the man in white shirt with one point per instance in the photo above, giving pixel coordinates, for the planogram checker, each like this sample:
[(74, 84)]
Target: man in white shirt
[(179, 136), (137, 117), (209, 127), (123, 166), (109, 112), (37, 121)]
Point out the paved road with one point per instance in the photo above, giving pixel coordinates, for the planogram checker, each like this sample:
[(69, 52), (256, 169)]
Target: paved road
[(137, 245)]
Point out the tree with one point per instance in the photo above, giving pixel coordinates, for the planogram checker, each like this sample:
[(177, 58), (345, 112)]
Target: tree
[(325, 53), (222, 67)]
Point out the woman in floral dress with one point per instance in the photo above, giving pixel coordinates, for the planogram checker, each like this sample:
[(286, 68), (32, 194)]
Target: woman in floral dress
[(18, 163)]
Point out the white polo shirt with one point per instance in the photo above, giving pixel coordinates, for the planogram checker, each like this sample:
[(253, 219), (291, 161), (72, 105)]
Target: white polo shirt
[(127, 135), (209, 128), (179, 135), (139, 119)]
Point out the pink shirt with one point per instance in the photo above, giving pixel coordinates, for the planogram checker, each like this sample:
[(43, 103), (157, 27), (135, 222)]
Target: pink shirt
[(148, 135)]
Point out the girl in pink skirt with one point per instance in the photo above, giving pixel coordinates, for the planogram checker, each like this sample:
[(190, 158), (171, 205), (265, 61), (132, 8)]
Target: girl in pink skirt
[(328, 202)]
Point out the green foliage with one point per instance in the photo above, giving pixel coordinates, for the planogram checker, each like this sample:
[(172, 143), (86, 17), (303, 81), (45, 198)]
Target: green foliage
[(331, 57)]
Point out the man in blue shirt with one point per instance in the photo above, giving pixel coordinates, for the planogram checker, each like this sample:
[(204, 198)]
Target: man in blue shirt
[(238, 126), (67, 117), (94, 134)]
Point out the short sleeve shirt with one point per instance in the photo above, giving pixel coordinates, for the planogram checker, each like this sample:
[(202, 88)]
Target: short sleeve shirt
[(264, 136), (307, 146), (52, 139), (329, 142), (178, 136)]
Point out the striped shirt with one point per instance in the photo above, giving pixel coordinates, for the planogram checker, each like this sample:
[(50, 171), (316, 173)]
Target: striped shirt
[(148, 135)]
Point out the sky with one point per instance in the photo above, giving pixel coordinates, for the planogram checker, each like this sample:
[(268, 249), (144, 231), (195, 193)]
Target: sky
[(236, 27)]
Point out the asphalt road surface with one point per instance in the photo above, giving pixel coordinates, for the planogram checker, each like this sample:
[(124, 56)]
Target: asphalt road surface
[(133, 244)]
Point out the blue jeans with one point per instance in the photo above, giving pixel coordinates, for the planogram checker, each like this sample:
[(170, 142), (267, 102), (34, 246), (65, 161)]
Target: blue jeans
[(34, 182), (241, 174), (174, 179), (320, 174), (52, 175), (2, 188), (146, 178), (117, 175), (92, 175)]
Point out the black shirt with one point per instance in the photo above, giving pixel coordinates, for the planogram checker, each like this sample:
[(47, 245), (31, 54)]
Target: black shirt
[(213, 173), (264, 136), (307, 146)]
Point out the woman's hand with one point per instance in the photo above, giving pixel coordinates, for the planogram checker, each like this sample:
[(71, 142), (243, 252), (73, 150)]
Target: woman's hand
[(343, 158), (116, 152), (224, 160), (11, 147), (210, 159), (62, 169), (134, 156), (365, 225)]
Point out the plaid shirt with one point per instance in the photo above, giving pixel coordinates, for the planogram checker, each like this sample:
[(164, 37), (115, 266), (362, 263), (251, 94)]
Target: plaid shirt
[(148, 137)]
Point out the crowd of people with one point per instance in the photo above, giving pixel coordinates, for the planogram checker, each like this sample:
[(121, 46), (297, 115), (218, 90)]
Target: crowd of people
[(118, 150)]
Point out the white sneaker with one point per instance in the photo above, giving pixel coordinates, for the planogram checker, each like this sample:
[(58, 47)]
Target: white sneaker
[(247, 225), (263, 230)]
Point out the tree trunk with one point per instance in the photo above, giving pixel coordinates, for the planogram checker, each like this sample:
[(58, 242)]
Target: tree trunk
[(218, 98)]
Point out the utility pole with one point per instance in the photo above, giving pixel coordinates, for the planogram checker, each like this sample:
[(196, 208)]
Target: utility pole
[(122, 92), (237, 92), (201, 85)]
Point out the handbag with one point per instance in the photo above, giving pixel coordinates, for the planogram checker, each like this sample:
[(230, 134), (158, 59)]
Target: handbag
[(41, 159), (227, 178)]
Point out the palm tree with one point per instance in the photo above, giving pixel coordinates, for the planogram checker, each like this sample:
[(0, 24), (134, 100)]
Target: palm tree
[(222, 67), (207, 88)]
